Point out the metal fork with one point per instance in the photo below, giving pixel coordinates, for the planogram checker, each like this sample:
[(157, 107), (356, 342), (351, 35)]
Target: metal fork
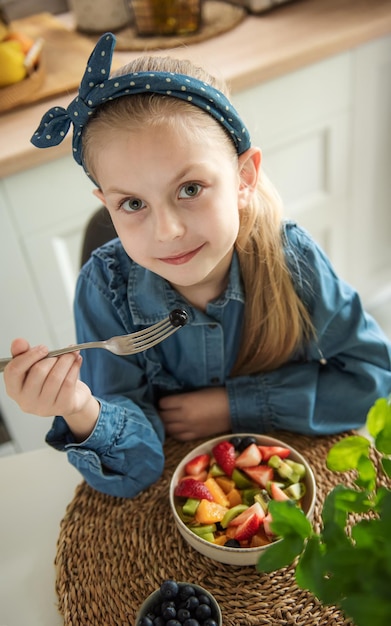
[(128, 344)]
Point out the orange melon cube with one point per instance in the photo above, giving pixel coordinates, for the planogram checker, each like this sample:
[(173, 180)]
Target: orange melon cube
[(234, 497), (210, 512), (230, 532), (225, 483), (217, 492), (221, 540)]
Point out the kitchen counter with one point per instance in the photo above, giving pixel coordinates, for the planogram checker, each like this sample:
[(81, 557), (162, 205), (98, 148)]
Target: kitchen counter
[(35, 488), (259, 49)]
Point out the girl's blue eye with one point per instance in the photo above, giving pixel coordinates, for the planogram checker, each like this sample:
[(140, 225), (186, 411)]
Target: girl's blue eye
[(190, 190), (131, 205)]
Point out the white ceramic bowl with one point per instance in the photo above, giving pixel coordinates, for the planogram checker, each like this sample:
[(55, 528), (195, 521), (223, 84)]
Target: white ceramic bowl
[(223, 554), (153, 598)]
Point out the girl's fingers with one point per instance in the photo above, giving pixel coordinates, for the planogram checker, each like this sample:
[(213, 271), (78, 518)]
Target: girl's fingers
[(46, 381), (37, 391), (19, 346), (17, 370)]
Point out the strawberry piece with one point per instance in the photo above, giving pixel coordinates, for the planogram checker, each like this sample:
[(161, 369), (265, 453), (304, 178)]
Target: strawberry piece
[(266, 526), (195, 466), (189, 487), (225, 457), (260, 474), (248, 529), (249, 457), (277, 493), (254, 509), (268, 451)]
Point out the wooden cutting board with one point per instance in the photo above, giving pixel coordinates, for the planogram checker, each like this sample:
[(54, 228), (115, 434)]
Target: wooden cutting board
[(65, 54)]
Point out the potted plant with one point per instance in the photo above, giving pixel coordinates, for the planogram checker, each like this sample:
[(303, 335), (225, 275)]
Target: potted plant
[(347, 563)]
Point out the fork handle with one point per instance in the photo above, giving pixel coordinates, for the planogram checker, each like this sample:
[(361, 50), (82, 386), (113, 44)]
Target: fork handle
[(72, 348)]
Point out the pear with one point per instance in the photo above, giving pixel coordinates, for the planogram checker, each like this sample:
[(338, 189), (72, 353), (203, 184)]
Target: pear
[(12, 68)]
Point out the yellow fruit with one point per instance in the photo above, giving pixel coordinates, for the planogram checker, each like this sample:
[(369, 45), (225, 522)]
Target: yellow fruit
[(25, 41), (12, 69)]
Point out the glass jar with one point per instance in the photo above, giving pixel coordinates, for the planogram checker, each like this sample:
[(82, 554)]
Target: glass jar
[(99, 16), (166, 17)]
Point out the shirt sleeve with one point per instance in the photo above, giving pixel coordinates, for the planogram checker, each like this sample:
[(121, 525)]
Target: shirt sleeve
[(124, 453), (346, 369)]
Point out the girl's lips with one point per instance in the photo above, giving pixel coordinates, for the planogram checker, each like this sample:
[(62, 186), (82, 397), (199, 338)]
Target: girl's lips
[(180, 259)]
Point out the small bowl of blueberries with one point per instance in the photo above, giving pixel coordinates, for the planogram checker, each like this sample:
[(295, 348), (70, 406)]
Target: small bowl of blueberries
[(179, 604), (220, 494)]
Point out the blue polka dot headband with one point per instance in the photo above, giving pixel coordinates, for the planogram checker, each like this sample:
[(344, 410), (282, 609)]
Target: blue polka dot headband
[(96, 88)]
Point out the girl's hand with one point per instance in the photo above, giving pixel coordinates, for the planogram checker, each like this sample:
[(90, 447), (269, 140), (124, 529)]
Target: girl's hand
[(196, 414), (50, 386)]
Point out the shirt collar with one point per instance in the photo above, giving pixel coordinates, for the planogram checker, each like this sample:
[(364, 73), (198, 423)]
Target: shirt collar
[(151, 298)]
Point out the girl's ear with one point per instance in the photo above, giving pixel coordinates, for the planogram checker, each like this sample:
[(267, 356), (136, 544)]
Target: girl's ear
[(98, 193), (249, 164)]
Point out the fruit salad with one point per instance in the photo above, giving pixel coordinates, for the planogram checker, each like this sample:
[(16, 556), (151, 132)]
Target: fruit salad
[(223, 497)]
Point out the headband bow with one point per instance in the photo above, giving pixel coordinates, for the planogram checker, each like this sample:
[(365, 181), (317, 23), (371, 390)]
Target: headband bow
[(97, 87)]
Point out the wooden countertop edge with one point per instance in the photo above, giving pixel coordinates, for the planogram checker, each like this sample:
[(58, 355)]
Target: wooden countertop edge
[(265, 52)]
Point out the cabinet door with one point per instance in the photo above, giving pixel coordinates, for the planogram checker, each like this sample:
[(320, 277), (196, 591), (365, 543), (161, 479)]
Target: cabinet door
[(301, 123), (50, 206), (370, 219), (20, 316), (43, 214)]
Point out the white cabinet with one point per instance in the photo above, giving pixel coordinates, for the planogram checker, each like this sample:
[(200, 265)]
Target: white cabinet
[(370, 207), (302, 124), (43, 213), (325, 132)]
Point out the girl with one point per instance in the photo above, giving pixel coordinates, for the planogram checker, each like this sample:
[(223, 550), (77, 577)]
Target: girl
[(275, 340)]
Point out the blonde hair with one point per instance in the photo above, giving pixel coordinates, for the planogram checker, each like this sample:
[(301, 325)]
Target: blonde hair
[(276, 323)]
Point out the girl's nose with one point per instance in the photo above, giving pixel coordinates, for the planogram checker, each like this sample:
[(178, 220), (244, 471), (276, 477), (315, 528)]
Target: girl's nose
[(168, 223)]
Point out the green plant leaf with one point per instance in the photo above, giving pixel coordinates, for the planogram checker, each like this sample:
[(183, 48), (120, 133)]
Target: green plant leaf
[(345, 454), (377, 612), (280, 554), (386, 464), (379, 424), (289, 519), (342, 500), (309, 570), (366, 474)]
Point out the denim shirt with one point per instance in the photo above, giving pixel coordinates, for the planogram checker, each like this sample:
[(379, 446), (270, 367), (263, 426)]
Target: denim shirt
[(124, 453)]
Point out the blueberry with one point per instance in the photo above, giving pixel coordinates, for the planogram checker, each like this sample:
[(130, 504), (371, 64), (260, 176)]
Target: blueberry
[(158, 621), (209, 622), (202, 612), (232, 543), (203, 599), (173, 622), (192, 603), (183, 614), (246, 442), (186, 592), (236, 441), (178, 317), (191, 622), (169, 612), (169, 589), (145, 621), (166, 603)]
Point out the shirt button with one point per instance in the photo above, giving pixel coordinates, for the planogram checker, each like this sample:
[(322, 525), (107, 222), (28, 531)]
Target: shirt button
[(214, 380)]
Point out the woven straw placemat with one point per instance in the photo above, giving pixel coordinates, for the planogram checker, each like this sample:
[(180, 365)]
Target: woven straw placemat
[(113, 552)]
